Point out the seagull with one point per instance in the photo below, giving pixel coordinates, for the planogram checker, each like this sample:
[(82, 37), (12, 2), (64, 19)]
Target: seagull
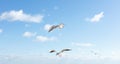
[(58, 53), (60, 26)]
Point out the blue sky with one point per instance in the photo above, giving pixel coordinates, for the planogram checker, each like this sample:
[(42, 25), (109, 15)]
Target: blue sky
[(91, 30)]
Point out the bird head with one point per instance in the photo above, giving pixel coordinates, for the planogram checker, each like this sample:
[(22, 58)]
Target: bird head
[(61, 26)]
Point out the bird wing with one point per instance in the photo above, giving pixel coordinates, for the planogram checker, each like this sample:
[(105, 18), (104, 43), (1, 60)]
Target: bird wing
[(65, 50), (52, 27), (52, 51)]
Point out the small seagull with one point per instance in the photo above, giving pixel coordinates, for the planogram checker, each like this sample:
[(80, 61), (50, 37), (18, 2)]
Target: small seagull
[(59, 53), (56, 26)]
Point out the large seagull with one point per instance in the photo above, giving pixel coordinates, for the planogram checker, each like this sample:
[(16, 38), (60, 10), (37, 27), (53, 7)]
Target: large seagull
[(60, 26)]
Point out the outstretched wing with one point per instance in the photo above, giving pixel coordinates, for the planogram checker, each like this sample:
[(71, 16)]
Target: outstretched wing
[(52, 51), (52, 27), (65, 50)]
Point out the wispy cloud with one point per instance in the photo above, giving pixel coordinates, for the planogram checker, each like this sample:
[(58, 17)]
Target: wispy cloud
[(82, 44), (96, 17), (47, 27), (29, 34), (44, 38), (27, 25), (38, 38), (19, 15), (6, 59), (1, 30), (115, 55), (56, 7)]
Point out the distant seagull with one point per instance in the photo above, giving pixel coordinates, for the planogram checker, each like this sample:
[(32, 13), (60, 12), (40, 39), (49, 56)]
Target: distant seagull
[(56, 26), (58, 53)]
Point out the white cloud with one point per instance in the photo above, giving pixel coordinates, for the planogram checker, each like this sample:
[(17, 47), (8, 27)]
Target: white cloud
[(44, 38), (82, 44), (29, 34), (96, 17), (47, 27), (1, 30), (19, 15)]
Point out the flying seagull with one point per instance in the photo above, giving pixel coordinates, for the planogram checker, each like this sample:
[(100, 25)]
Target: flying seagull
[(58, 53), (56, 26)]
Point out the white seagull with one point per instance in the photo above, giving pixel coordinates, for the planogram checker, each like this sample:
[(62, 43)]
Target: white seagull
[(60, 26)]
